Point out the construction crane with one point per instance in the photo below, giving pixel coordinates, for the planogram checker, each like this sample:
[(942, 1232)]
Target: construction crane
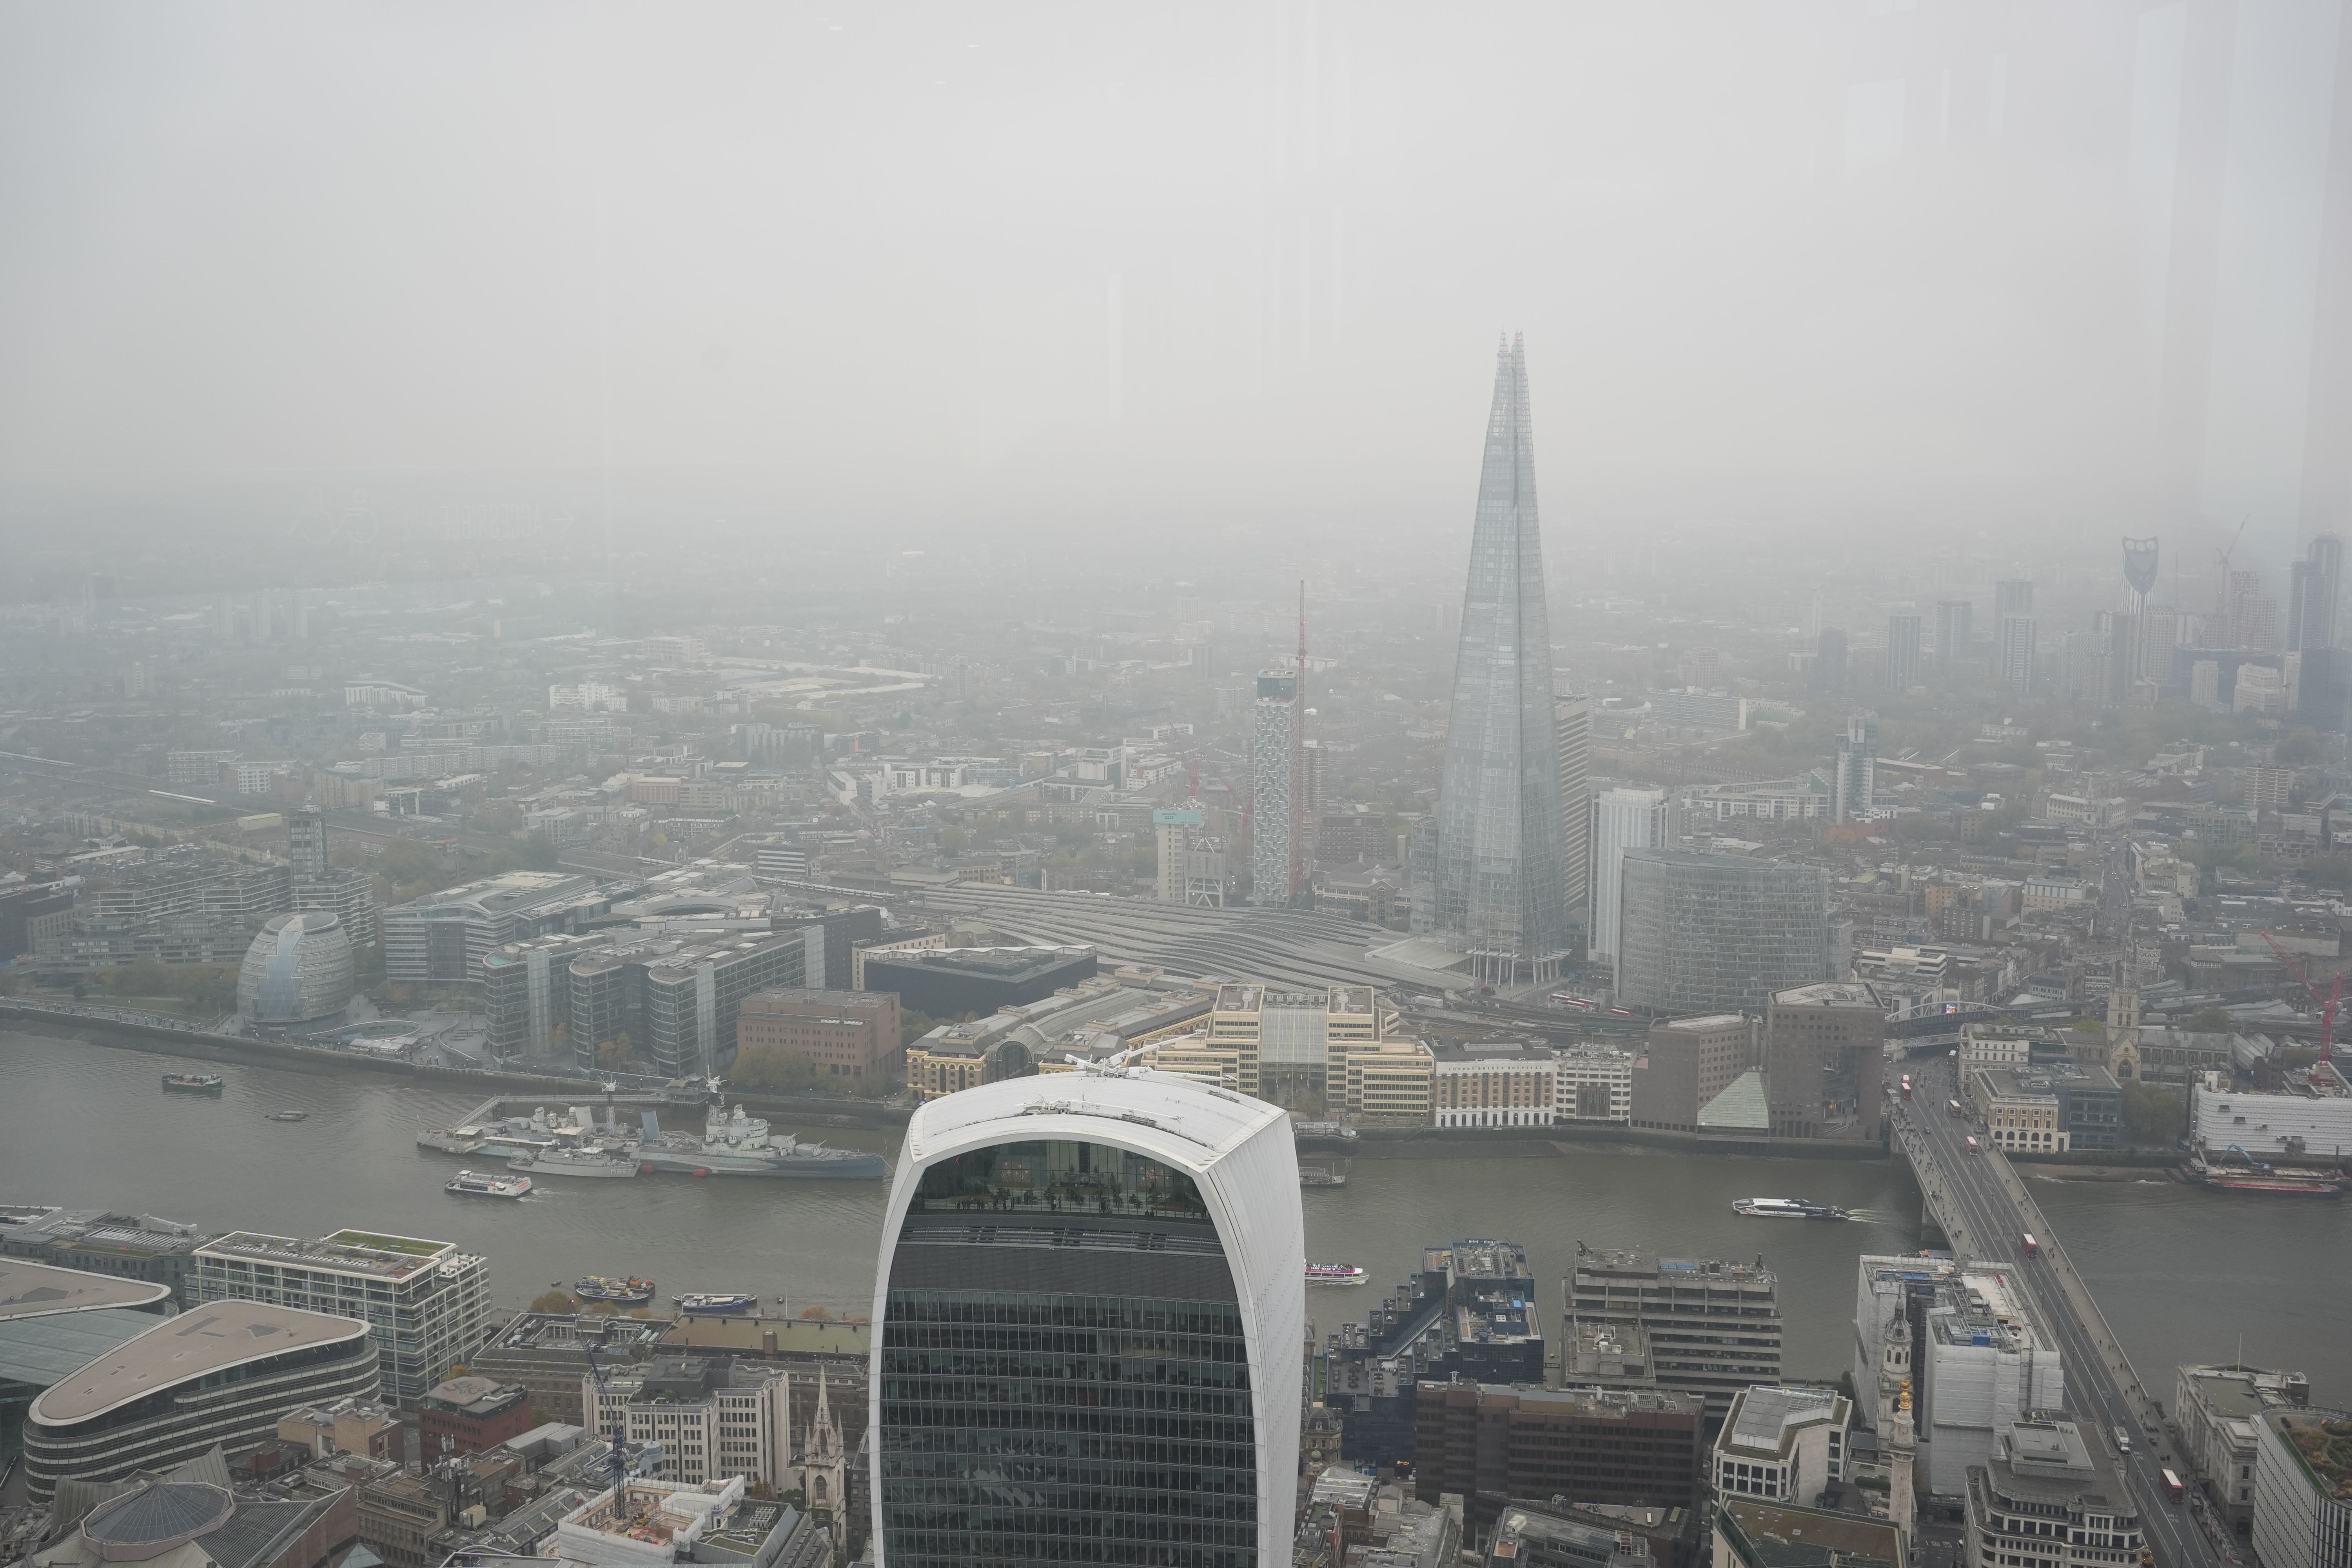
[(620, 1433), (2327, 1005)]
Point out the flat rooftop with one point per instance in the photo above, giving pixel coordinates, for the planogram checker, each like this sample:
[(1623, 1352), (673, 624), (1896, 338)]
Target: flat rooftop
[(177, 1351), (393, 1258), (30, 1290)]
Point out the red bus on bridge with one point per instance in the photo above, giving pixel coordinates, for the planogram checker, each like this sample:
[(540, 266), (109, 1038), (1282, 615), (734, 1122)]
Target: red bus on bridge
[(2032, 1248), (2171, 1487)]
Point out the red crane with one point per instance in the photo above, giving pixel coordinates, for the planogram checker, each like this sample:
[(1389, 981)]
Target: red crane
[(2327, 1005)]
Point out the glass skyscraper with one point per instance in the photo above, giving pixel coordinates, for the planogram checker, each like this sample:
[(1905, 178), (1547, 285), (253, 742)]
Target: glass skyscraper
[(1091, 1298), (1498, 880)]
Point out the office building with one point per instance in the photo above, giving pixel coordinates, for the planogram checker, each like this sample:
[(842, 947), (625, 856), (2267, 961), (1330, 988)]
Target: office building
[(2014, 633), (1498, 884), (1274, 730), (1175, 1439), (1593, 1082), (1528, 1535), (1503, 1083), (1684, 1065), (547, 1353), (1714, 1328), (1191, 862), (442, 938), (423, 1301), (2049, 1495), (471, 1414), (299, 971), (656, 1523), (54, 1319), (346, 1425), (1890, 1314), (1489, 1331), (2302, 1488), (34, 916), (349, 896), (1954, 628), (1622, 819), (526, 992), (1492, 1443), (714, 1416), (949, 983), (220, 1374), (1749, 1532), (1572, 748), (1980, 1362), (671, 1003), (1824, 1050), (842, 1035), (2221, 1411), (1902, 652), (1854, 776), (2315, 595), (1782, 1443), (1701, 932)]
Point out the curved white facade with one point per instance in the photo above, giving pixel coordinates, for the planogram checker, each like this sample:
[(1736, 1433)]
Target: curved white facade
[(1053, 1364)]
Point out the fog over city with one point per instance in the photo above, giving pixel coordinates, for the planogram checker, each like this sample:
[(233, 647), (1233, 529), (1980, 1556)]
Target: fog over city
[(1542, 783), (1046, 270)]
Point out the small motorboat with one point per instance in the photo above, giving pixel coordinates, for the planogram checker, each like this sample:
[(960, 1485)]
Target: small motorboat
[(713, 1303), (193, 1083), (289, 1116)]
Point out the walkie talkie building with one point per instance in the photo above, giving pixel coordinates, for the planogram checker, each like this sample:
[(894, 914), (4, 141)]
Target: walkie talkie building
[(1499, 881), (1089, 1306)]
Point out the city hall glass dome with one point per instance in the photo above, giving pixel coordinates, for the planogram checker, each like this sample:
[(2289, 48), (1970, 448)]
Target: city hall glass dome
[(299, 970)]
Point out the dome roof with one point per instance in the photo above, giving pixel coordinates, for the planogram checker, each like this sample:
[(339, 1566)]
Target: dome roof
[(148, 1522), (299, 970)]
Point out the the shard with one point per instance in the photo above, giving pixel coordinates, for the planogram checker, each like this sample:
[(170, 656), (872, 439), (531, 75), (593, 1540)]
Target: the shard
[(1496, 884)]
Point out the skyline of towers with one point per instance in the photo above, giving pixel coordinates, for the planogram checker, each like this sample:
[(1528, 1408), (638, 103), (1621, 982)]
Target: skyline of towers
[(1497, 883)]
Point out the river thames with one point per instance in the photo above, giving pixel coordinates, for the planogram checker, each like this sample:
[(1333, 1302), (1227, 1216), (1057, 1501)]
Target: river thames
[(2181, 1273)]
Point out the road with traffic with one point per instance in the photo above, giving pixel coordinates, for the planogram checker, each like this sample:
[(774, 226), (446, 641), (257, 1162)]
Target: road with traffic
[(1986, 1213)]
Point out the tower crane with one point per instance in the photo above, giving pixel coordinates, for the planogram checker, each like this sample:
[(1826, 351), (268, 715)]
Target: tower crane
[(2327, 1005)]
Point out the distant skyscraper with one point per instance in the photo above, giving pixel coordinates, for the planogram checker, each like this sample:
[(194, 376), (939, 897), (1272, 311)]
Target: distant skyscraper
[(1954, 627), (1572, 737), (1902, 652), (1829, 660), (1622, 819), (1134, 1400), (1854, 782), (1271, 754), (2312, 604), (1497, 878), (2016, 631)]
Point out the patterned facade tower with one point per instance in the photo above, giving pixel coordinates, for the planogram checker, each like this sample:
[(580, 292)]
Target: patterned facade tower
[(1497, 879), (1273, 750)]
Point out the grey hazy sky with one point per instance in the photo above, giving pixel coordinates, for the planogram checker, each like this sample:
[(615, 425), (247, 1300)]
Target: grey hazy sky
[(1076, 262)]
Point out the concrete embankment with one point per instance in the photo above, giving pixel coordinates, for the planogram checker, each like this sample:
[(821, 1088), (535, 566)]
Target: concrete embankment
[(200, 1046), (1527, 1143)]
